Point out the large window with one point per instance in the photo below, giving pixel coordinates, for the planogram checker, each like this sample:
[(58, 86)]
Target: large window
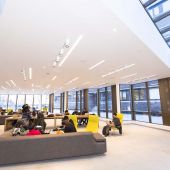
[(109, 102), (125, 101), (45, 102), (102, 99), (71, 101), (20, 101), (3, 101), (78, 101), (92, 100), (57, 98), (12, 102), (37, 102), (155, 106), (29, 100), (140, 102)]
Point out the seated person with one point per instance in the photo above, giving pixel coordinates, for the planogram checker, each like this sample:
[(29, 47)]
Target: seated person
[(115, 123), (40, 121), (83, 121), (68, 125), (75, 112), (66, 112)]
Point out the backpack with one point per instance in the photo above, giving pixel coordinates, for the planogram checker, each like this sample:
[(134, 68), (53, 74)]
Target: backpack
[(105, 130)]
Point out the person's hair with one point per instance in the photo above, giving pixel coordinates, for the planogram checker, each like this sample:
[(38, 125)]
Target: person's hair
[(66, 111), (66, 118), (115, 114), (25, 108)]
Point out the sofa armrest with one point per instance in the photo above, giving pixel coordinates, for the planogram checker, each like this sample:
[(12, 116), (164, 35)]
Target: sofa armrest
[(98, 137)]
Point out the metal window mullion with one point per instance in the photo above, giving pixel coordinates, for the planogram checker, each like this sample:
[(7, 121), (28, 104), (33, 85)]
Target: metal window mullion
[(162, 16), (146, 4)]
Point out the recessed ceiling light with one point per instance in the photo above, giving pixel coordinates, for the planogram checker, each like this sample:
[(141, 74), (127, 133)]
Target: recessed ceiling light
[(32, 85), (114, 30), (94, 66), (70, 51)]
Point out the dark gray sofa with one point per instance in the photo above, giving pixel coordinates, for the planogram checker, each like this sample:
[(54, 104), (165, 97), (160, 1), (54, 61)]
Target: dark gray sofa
[(20, 149)]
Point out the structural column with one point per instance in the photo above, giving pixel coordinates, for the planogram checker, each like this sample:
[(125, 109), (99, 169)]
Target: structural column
[(164, 90), (114, 98)]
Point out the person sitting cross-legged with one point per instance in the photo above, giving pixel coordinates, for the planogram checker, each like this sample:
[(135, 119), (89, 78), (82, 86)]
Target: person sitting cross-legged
[(115, 123)]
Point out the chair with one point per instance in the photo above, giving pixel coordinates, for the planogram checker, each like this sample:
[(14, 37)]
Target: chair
[(74, 119), (93, 124)]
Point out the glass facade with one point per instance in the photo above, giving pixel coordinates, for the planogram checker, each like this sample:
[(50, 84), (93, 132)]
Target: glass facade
[(37, 102), (140, 102), (57, 106), (71, 101), (12, 102), (92, 101), (155, 106), (3, 101), (125, 101), (16, 102), (109, 102), (45, 102), (20, 101), (102, 99), (78, 101)]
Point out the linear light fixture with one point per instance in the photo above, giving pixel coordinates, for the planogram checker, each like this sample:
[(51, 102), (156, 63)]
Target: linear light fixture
[(30, 73), (97, 85), (71, 50), (96, 65), (14, 84), (131, 75), (118, 70), (3, 87), (24, 74), (86, 83), (54, 78), (72, 80), (8, 83)]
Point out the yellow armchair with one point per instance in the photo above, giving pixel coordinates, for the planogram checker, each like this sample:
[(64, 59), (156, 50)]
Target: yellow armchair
[(120, 116), (93, 124), (74, 119)]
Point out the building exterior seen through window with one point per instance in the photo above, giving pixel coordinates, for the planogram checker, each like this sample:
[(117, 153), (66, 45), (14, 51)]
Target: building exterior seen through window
[(125, 101), (57, 108), (16, 102), (92, 101), (71, 101)]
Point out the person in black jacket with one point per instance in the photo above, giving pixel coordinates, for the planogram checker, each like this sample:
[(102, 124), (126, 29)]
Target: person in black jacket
[(68, 125), (115, 123)]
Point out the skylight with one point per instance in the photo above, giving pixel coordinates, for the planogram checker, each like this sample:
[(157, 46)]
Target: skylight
[(159, 12)]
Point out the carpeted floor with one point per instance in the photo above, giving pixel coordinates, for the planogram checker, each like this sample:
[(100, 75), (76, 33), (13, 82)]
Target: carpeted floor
[(139, 148)]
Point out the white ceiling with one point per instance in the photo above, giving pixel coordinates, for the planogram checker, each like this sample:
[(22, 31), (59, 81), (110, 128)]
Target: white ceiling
[(32, 32)]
